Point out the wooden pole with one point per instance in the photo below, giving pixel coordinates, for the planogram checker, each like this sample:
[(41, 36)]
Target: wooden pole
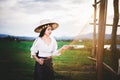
[(101, 35), (94, 34), (112, 71), (113, 47), (106, 24)]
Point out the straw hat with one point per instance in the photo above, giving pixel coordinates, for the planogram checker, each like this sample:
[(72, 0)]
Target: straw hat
[(45, 22)]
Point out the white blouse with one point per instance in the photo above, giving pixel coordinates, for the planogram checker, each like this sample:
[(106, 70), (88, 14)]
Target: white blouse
[(44, 50)]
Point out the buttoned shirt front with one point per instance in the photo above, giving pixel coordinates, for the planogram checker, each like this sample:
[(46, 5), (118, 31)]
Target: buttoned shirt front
[(44, 50)]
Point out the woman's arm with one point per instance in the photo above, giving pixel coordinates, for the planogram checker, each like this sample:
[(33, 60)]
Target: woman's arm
[(65, 47)]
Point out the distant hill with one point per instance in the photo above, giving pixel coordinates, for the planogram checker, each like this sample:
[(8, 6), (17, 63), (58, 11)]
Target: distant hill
[(81, 37), (90, 36), (3, 35), (25, 38), (84, 36), (11, 37)]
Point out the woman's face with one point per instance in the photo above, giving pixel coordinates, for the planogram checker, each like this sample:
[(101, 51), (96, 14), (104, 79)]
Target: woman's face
[(48, 30)]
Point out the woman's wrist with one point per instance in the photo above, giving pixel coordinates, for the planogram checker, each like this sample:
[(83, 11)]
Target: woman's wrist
[(35, 58), (61, 48)]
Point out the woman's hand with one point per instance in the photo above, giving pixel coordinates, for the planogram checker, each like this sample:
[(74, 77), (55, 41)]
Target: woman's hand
[(40, 61), (65, 47)]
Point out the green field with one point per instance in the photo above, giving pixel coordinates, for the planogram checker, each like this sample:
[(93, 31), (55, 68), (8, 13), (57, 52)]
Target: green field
[(16, 64)]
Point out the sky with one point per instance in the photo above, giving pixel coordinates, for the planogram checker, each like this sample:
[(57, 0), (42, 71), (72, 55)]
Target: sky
[(21, 17)]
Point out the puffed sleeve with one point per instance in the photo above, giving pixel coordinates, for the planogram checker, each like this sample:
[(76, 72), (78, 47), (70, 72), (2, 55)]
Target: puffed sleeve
[(34, 48), (55, 52)]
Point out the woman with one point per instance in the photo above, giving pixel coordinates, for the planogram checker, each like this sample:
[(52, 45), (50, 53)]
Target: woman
[(42, 50)]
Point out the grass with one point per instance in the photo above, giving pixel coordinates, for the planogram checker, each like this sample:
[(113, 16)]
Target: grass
[(15, 61), (16, 64), (74, 60)]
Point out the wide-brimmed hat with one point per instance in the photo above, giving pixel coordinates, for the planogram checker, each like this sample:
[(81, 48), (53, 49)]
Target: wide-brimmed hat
[(44, 22)]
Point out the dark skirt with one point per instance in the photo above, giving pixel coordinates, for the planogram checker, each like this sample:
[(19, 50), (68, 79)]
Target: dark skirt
[(45, 71)]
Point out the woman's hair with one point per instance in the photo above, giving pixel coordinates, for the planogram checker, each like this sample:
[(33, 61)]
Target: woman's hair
[(42, 32)]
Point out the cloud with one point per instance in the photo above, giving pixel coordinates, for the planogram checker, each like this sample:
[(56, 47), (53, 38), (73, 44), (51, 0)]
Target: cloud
[(24, 14), (20, 17)]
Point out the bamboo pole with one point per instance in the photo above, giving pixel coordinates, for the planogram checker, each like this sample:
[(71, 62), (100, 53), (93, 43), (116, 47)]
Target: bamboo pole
[(94, 33), (106, 24), (101, 35), (105, 65)]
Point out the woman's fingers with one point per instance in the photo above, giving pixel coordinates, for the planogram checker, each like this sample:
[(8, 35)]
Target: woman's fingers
[(41, 61), (66, 47)]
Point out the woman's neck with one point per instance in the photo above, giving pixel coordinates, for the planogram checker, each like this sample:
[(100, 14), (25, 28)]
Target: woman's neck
[(46, 37)]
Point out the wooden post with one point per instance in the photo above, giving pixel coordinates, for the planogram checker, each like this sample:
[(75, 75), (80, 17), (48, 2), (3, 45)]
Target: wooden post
[(106, 66), (101, 35), (114, 35), (94, 34), (118, 66), (106, 24)]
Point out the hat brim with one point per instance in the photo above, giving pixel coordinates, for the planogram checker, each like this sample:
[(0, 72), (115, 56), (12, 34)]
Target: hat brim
[(39, 28)]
